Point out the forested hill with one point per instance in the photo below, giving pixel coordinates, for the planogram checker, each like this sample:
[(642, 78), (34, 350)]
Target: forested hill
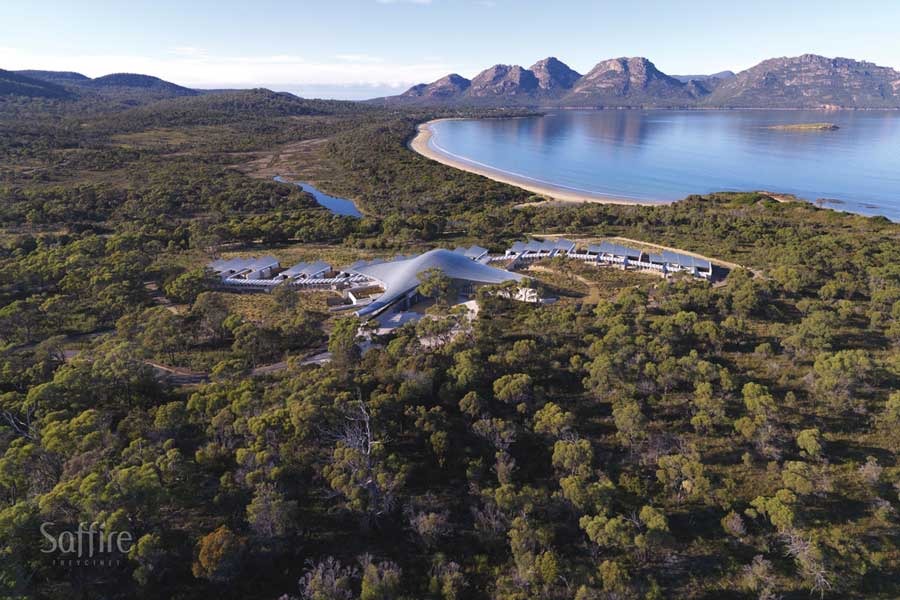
[(15, 84), (639, 438), (127, 89), (61, 77), (227, 107), (153, 85)]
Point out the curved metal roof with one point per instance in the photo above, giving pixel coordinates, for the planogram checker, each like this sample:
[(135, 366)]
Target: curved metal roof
[(400, 277)]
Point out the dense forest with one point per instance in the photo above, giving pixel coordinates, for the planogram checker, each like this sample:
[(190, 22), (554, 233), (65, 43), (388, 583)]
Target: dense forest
[(665, 438)]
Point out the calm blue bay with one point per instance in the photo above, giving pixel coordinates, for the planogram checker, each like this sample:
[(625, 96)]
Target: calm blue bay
[(666, 155)]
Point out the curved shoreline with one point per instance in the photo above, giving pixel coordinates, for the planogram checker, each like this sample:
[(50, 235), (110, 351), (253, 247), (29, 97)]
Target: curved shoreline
[(421, 144)]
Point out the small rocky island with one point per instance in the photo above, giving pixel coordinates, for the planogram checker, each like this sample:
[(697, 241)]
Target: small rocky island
[(806, 127)]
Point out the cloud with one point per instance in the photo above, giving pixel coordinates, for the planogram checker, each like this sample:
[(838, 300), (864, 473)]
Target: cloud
[(195, 67), (360, 58), (420, 2), (187, 51)]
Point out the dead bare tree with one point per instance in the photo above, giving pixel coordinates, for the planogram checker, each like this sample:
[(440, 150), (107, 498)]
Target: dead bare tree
[(359, 465), (21, 424), (808, 558)]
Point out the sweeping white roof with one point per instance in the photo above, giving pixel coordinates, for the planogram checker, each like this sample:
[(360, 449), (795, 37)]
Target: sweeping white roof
[(473, 252), (400, 277)]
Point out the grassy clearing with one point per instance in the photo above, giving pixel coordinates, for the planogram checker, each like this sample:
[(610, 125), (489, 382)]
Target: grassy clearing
[(336, 256), (158, 138), (258, 307), (586, 282)]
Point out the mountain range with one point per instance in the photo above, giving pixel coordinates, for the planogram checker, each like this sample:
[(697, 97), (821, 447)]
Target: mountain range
[(807, 81)]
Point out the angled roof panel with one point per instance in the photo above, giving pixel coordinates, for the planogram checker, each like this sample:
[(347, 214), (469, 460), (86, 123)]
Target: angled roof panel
[(220, 265), (304, 269), (673, 257), (685, 260), (225, 265), (295, 270), (616, 249), (316, 267), (262, 262)]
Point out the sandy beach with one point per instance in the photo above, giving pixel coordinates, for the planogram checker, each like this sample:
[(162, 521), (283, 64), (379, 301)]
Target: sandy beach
[(555, 195)]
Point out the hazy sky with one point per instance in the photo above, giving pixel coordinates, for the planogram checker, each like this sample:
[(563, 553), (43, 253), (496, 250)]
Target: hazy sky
[(363, 48)]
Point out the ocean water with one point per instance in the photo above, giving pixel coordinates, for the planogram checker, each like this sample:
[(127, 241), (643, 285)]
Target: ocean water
[(666, 155)]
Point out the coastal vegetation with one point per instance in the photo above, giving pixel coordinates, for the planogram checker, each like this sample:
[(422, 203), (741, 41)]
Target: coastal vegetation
[(641, 438)]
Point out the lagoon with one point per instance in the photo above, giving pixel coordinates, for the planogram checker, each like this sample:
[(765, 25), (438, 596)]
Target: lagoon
[(339, 206)]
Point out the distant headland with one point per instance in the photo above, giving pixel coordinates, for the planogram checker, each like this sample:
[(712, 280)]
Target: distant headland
[(806, 127)]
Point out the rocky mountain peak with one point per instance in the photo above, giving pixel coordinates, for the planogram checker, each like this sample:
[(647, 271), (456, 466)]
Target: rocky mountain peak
[(553, 74), (445, 87), (506, 80), (810, 81), (620, 76)]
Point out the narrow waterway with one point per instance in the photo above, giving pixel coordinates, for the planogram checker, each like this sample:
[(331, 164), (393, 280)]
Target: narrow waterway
[(339, 206)]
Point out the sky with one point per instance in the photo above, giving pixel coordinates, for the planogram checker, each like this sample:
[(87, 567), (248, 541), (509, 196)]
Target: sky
[(364, 48)]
